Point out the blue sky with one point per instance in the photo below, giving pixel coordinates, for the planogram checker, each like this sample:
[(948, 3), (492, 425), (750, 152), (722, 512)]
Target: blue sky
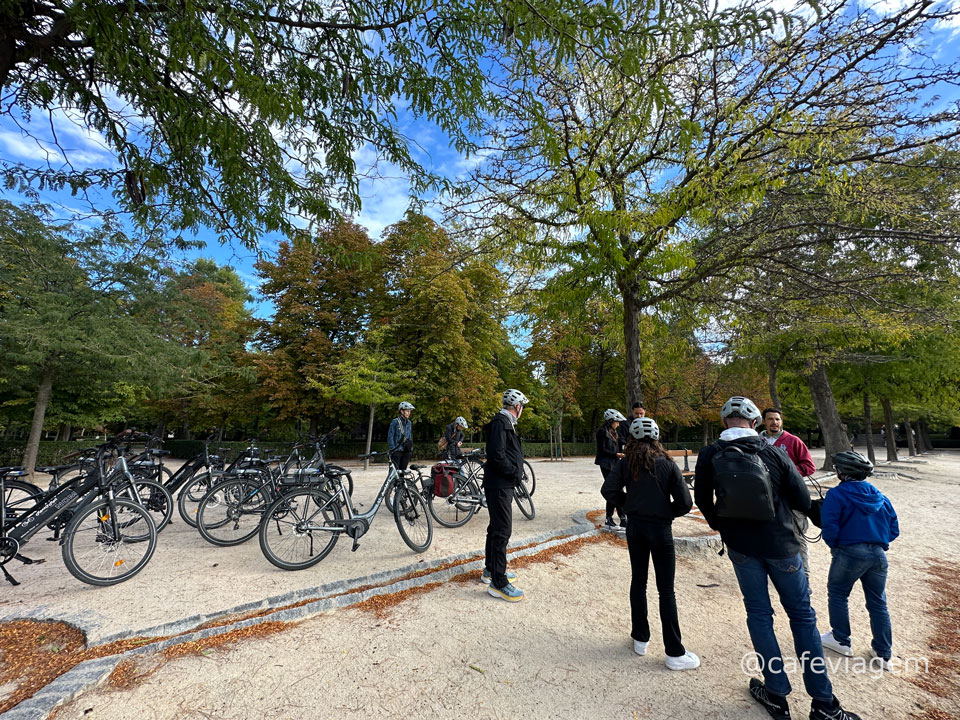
[(384, 200)]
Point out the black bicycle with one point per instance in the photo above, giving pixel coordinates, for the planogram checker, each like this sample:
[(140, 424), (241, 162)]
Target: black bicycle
[(109, 538)]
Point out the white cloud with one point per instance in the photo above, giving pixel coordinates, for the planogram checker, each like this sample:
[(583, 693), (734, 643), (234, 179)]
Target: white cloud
[(20, 145)]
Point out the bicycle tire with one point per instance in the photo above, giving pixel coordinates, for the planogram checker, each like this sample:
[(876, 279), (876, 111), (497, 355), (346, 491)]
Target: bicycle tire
[(529, 479), (97, 549), (19, 497), (450, 511), (286, 537), (413, 518), (524, 501), (188, 501), (155, 499), (230, 512)]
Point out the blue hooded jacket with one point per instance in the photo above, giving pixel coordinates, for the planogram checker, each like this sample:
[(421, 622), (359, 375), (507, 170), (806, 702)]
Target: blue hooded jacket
[(856, 512)]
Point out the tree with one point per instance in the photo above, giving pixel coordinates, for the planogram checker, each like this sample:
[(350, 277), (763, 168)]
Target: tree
[(242, 116), (621, 171), (323, 290), (69, 299)]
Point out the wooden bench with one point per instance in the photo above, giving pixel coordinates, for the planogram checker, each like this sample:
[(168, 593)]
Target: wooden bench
[(688, 474)]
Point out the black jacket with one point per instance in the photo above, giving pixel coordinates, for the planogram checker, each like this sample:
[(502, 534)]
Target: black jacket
[(624, 432), (504, 465), (775, 538), (648, 498), (607, 449), (454, 438)]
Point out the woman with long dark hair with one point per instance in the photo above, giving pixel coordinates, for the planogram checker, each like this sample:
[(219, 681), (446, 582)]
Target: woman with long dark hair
[(608, 454), (650, 488)]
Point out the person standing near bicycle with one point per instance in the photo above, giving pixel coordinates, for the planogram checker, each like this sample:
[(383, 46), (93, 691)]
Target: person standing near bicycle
[(400, 437), (623, 431), (453, 434), (650, 487), (502, 472), (608, 453)]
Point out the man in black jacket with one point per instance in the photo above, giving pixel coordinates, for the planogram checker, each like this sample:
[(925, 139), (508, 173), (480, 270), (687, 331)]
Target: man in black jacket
[(763, 550), (502, 472), (638, 411)]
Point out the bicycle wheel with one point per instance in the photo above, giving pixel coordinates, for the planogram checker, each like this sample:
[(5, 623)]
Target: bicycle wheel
[(458, 507), (188, 501), (290, 534), (99, 545), (230, 512), (154, 498), (413, 518), (529, 479), (524, 501), (19, 497)]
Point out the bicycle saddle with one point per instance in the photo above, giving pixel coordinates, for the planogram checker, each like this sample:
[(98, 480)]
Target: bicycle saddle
[(53, 469), (417, 467)]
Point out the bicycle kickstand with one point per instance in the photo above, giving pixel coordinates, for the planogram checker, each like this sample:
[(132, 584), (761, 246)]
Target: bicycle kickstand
[(8, 576)]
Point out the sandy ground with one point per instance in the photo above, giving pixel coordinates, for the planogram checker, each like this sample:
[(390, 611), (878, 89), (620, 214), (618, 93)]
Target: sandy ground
[(563, 652)]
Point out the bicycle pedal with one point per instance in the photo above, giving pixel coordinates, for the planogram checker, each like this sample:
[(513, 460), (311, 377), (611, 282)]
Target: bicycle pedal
[(356, 544)]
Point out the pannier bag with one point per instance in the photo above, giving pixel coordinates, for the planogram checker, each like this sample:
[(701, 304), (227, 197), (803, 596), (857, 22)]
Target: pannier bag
[(742, 485), (443, 483)]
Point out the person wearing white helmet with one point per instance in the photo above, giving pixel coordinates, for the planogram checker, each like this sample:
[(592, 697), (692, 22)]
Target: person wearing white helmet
[(608, 453), (650, 487), (502, 472), (453, 434), (747, 490), (400, 436)]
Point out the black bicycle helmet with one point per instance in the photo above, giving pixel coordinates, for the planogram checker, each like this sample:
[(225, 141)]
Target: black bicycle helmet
[(852, 464)]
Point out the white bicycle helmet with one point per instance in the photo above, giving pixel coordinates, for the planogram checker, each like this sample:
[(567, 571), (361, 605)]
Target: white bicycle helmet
[(513, 397), (406, 406), (461, 421), (644, 428), (612, 414), (741, 407)]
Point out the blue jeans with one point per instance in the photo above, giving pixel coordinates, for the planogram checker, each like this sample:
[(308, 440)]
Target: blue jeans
[(866, 562), (791, 585)]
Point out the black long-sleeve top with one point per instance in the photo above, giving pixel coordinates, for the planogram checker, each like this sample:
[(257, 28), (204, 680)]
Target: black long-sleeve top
[(504, 465), (607, 448), (654, 497)]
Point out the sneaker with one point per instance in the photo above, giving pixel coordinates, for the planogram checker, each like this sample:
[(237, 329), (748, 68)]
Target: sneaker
[(687, 661), (775, 705), (640, 647), (486, 577), (623, 523), (508, 593), (609, 524), (831, 643), (833, 712), (884, 662)]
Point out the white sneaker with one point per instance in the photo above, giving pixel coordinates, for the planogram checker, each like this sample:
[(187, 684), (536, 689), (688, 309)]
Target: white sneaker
[(687, 661), (884, 662), (640, 648), (831, 643)]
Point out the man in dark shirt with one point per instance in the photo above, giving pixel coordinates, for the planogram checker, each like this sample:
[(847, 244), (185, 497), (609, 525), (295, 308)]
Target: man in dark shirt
[(502, 472), (624, 429), (768, 550)]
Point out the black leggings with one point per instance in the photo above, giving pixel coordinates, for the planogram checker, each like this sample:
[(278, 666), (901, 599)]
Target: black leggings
[(611, 506), (401, 458), (643, 541)]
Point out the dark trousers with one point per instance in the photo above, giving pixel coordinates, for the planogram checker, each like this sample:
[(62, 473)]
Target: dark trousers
[(500, 506), (646, 540), (611, 506), (401, 458)]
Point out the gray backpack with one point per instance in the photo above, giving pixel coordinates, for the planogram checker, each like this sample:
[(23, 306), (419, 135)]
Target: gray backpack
[(742, 485)]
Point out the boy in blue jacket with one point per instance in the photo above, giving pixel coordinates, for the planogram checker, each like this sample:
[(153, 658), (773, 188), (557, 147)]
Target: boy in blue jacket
[(858, 523)]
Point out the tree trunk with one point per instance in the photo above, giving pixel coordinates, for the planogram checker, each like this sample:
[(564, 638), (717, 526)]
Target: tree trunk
[(772, 375), (314, 422), (366, 461), (66, 432), (560, 437), (676, 433), (834, 438), (891, 430), (868, 425), (908, 429), (631, 338), (925, 442), (36, 426), (706, 433)]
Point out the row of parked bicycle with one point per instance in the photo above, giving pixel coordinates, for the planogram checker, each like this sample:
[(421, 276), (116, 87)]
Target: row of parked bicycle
[(107, 507)]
